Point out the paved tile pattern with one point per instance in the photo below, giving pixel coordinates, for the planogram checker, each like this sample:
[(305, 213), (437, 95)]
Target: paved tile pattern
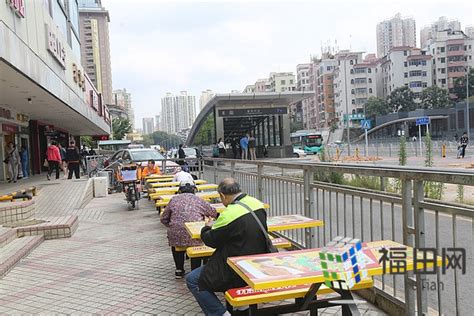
[(120, 264)]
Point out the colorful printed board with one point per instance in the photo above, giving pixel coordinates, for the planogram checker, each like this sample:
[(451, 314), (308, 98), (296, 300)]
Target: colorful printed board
[(303, 266), (280, 223)]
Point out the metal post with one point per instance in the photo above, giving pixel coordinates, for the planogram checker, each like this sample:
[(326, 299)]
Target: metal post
[(215, 170), (309, 209), (201, 167), (232, 169), (419, 217), (366, 144), (421, 146), (347, 107), (407, 220), (260, 182), (467, 104)]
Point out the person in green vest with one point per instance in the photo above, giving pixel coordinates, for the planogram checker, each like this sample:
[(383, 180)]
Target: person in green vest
[(236, 232)]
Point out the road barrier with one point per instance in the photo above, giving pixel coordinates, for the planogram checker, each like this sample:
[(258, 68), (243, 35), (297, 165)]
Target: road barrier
[(407, 217)]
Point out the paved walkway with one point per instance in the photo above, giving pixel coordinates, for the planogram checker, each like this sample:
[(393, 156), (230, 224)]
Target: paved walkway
[(118, 262)]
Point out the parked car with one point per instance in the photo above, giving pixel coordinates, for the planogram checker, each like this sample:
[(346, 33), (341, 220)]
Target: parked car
[(192, 156), (298, 152), (141, 157)]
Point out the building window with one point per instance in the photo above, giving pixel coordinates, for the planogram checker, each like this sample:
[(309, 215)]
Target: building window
[(353, 101), (405, 53), (441, 49), (425, 84), (370, 80), (423, 73), (291, 81), (406, 74), (282, 82), (351, 62), (352, 81), (352, 71), (370, 90), (352, 91), (405, 64), (443, 81), (443, 60), (369, 70)]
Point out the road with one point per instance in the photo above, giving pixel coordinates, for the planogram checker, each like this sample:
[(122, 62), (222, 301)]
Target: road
[(376, 221)]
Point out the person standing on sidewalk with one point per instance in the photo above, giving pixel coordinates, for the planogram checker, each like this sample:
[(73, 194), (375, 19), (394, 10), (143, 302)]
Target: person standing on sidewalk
[(73, 160), (464, 142), (25, 162), (54, 159), (63, 166), (252, 145), (244, 145), (13, 161), (184, 207)]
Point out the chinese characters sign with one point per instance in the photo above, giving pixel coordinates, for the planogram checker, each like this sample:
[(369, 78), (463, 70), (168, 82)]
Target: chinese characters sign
[(18, 6), (55, 46), (253, 112)]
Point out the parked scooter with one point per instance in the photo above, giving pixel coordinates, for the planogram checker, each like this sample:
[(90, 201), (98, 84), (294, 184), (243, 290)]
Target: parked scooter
[(130, 183)]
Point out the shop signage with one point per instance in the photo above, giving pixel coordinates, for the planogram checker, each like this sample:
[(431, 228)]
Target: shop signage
[(253, 112), (55, 46), (18, 6), (78, 77), (22, 118), (9, 128), (49, 130)]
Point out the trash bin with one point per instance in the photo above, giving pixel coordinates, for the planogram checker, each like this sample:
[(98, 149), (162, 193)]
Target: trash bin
[(100, 186)]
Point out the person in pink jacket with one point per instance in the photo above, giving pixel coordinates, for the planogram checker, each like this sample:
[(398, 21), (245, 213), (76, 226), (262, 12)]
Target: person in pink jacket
[(54, 159)]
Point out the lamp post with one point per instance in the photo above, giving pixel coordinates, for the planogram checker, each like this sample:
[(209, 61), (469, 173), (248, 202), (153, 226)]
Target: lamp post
[(347, 107), (467, 103)]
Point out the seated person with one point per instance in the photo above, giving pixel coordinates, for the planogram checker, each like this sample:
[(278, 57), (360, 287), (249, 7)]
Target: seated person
[(184, 207), (236, 232), (128, 167), (150, 169), (183, 175)]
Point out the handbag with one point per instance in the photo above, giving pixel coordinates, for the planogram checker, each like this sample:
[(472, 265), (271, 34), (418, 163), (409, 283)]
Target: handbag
[(46, 163), (270, 246)]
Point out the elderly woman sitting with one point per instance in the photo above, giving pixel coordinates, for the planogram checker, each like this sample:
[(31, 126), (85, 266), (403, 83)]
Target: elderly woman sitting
[(184, 207)]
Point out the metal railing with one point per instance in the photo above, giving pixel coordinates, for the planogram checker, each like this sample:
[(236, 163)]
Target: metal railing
[(406, 217)]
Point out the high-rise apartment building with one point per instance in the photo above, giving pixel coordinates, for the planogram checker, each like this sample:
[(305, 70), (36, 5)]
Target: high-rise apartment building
[(395, 32), (206, 96), (262, 85), (302, 84), (123, 100), (355, 80), (324, 91), (157, 123), (282, 81), (406, 66), (95, 45), (452, 52), (177, 112), (148, 125), (443, 24), (469, 31)]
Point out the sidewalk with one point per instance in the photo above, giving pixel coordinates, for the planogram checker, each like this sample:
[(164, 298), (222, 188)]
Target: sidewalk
[(118, 262)]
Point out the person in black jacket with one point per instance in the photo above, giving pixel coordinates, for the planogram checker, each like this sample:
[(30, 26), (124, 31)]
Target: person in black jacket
[(235, 233), (73, 160)]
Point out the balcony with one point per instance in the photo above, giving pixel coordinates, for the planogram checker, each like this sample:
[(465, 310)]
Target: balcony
[(459, 63), (459, 52)]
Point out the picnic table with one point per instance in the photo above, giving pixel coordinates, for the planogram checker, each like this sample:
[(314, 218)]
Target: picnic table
[(173, 190), (164, 179), (303, 268), (221, 207), (274, 223), (163, 200), (174, 183), (157, 176)]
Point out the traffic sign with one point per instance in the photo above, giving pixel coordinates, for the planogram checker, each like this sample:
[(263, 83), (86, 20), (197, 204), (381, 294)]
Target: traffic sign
[(366, 124), (422, 121)]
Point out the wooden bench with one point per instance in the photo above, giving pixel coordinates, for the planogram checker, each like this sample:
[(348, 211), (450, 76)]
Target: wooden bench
[(247, 296), (20, 194), (205, 251)]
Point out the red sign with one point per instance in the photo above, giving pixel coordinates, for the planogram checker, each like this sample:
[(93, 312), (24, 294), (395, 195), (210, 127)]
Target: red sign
[(101, 137), (18, 6), (9, 128)]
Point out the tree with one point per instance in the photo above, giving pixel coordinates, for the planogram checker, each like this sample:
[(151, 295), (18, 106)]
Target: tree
[(401, 100), (375, 106), (459, 88), (163, 139), (120, 127), (88, 141), (434, 98)]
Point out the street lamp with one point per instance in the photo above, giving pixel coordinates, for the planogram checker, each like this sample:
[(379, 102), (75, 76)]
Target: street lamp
[(467, 103), (347, 107)]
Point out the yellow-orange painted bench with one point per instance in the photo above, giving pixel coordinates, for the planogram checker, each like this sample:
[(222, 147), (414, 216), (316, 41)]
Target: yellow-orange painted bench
[(172, 190), (206, 196), (248, 296), (173, 184)]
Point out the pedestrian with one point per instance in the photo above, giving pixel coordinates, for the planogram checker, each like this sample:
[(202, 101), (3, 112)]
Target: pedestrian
[(464, 142), (239, 231), (54, 159), (221, 147), (73, 159), (181, 155), (92, 152), (184, 207), (25, 162), (235, 149), (63, 166), (244, 145), (252, 147), (456, 137), (13, 161), (183, 175)]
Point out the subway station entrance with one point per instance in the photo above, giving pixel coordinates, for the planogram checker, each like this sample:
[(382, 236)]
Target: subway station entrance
[(265, 116)]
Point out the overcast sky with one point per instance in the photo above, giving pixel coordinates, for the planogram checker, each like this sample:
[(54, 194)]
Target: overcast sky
[(170, 46)]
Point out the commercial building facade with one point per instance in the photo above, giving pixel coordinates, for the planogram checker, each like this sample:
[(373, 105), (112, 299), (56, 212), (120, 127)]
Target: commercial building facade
[(123, 100), (95, 49), (46, 94), (395, 32), (148, 125)]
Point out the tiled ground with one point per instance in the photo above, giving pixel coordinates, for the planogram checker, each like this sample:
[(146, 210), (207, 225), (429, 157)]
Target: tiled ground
[(116, 262)]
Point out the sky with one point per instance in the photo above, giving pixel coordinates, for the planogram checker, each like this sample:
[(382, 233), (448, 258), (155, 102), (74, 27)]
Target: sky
[(175, 45)]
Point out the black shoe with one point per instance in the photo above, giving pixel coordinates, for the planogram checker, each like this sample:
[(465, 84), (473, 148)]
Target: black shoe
[(47, 177), (179, 274)]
